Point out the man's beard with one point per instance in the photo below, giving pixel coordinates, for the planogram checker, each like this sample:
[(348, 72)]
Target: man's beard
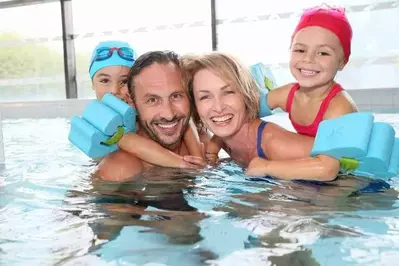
[(154, 135)]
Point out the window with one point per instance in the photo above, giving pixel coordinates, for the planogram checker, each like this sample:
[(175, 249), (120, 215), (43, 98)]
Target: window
[(256, 31), (31, 53), (179, 25)]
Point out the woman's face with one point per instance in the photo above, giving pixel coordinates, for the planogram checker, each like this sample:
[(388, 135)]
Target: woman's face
[(112, 79), (219, 104)]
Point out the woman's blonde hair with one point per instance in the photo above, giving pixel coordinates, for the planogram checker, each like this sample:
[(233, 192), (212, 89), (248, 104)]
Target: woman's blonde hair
[(228, 68)]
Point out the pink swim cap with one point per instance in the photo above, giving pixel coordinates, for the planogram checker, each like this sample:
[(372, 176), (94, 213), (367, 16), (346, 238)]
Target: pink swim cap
[(333, 19)]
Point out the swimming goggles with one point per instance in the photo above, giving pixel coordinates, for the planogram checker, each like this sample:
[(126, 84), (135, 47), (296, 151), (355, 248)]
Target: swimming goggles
[(105, 53)]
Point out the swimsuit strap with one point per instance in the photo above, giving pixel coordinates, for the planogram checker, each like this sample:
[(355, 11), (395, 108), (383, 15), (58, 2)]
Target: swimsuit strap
[(261, 126)]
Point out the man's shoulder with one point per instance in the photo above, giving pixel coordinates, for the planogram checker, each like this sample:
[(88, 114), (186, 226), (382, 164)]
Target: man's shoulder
[(119, 166)]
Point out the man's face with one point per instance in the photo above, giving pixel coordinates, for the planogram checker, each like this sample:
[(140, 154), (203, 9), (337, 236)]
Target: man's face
[(162, 104)]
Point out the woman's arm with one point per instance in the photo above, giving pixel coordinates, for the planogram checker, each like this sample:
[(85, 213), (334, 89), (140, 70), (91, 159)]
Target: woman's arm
[(321, 168), (288, 155), (281, 144)]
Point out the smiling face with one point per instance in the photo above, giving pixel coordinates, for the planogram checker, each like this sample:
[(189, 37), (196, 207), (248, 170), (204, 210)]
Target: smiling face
[(316, 56), (162, 104), (219, 104), (112, 79)]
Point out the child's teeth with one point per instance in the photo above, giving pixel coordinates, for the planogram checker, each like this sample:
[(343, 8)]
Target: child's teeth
[(308, 72)]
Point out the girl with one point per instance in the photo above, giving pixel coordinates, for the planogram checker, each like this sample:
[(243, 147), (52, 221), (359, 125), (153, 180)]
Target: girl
[(320, 47)]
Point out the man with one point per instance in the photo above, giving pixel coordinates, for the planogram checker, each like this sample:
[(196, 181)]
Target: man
[(156, 86)]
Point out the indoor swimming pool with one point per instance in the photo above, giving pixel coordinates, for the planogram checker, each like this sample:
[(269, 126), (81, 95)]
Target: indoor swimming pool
[(52, 212)]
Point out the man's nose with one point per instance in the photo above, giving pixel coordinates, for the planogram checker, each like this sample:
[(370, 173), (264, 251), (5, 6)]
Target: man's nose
[(168, 111)]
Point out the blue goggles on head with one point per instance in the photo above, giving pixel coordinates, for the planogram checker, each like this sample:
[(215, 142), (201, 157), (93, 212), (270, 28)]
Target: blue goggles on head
[(106, 56)]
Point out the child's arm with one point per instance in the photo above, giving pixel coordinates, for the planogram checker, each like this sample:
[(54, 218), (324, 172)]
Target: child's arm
[(215, 144), (151, 152), (277, 98), (192, 141)]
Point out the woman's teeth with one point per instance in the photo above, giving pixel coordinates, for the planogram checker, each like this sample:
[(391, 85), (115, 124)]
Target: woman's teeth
[(220, 119)]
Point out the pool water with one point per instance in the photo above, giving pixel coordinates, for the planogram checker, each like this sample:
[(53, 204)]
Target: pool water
[(52, 212)]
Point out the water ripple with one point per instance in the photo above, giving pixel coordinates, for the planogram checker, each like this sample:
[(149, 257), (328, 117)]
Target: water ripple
[(53, 211)]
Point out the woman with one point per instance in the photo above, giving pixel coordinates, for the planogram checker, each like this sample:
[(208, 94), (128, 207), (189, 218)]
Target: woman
[(227, 101)]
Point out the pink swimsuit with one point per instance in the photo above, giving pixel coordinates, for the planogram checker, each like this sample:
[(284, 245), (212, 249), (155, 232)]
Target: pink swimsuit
[(311, 130)]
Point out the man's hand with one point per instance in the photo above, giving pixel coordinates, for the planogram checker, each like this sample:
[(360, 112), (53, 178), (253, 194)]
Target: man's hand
[(256, 167), (192, 162)]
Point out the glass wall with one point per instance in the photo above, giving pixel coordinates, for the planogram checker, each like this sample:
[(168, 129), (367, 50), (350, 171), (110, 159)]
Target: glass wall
[(260, 32), (31, 53), (179, 25), (31, 47)]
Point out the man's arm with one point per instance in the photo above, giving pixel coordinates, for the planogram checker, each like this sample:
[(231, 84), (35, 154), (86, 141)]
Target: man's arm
[(119, 166)]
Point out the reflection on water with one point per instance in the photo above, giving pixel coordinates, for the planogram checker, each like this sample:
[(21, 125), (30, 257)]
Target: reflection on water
[(219, 216), (53, 212)]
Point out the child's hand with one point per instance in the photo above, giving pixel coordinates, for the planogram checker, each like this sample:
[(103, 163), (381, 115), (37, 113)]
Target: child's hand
[(256, 167), (211, 158), (192, 162)]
